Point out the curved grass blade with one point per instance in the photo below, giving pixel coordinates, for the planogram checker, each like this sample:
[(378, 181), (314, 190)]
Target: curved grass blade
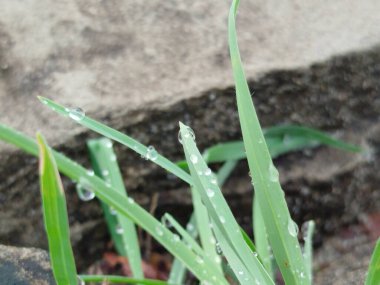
[(55, 218), (248, 269), (105, 165), (285, 245), (373, 277), (308, 249), (105, 279), (119, 137), (123, 205), (310, 134), (279, 139)]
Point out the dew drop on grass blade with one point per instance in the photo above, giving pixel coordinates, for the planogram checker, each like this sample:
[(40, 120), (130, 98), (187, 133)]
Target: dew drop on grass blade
[(120, 203), (55, 218), (123, 230), (285, 246), (222, 218)]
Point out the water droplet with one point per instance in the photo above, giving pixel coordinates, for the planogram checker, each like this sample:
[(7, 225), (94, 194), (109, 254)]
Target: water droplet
[(151, 153), (208, 172), (214, 181), (80, 281), (199, 259), (260, 141), (241, 272), (176, 238), (190, 134), (210, 193), (112, 211), (273, 173), (119, 230), (222, 219), (257, 282), (108, 143), (130, 200), (105, 172), (159, 230), (218, 259), (302, 275), (190, 227), (218, 248), (194, 158), (77, 114), (255, 254), (113, 157), (166, 222), (90, 172), (292, 228), (83, 190)]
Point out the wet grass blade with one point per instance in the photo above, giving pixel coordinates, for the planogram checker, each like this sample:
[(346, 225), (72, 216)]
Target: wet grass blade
[(261, 239), (123, 231), (308, 249), (373, 276), (178, 270), (281, 228), (117, 136), (123, 205), (186, 237), (55, 218), (246, 266), (105, 279)]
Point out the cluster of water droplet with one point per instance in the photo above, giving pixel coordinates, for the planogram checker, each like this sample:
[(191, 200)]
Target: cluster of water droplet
[(292, 228)]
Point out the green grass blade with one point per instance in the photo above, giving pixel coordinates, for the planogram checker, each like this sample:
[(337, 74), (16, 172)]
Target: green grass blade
[(178, 270), (311, 135), (308, 248), (55, 218), (261, 239), (249, 267), (279, 139), (373, 276), (225, 171), (119, 137), (284, 242), (186, 237), (105, 279), (123, 205), (105, 166), (203, 223)]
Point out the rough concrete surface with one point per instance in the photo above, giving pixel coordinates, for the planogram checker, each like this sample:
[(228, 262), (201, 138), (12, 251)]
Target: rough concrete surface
[(141, 67), (24, 266), (111, 57)]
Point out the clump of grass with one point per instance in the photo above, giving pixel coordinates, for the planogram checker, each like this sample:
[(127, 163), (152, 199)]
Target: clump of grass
[(212, 246)]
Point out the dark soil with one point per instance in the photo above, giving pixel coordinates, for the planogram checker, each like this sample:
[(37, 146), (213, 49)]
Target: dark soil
[(334, 188)]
